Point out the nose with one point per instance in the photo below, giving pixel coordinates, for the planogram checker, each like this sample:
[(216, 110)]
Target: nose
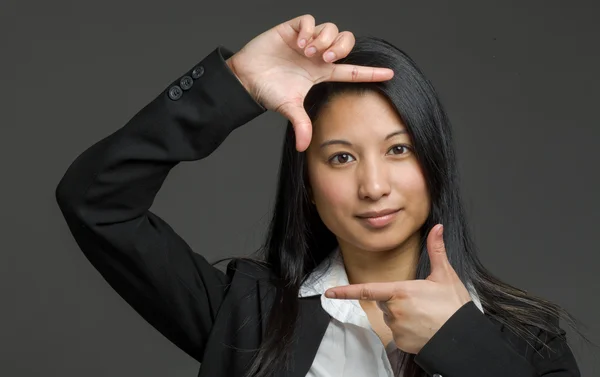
[(373, 180)]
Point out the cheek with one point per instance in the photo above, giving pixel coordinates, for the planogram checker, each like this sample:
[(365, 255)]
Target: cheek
[(332, 192), (410, 183)]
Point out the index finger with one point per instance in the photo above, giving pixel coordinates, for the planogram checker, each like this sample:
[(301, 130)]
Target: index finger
[(357, 73), (366, 291)]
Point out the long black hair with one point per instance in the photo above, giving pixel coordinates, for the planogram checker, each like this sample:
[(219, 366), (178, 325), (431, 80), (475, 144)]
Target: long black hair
[(297, 240)]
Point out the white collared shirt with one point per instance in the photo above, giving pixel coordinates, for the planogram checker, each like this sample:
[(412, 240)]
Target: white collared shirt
[(350, 346)]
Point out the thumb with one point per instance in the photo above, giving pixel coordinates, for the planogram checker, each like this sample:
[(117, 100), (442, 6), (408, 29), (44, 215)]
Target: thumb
[(301, 123), (440, 266)]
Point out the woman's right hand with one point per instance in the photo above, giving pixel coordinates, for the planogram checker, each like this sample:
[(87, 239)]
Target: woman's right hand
[(278, 70)]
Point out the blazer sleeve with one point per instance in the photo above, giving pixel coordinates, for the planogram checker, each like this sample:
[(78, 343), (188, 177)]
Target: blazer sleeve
[(106, 193), (470, 345)]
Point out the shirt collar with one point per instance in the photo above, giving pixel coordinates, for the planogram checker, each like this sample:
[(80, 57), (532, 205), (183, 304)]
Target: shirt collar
[(331, 273)]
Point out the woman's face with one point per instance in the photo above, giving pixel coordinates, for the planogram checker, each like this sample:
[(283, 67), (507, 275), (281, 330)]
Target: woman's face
[(361, 165)]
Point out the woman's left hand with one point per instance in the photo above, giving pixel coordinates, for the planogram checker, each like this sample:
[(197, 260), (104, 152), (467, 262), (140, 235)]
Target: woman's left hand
[(415, 309)]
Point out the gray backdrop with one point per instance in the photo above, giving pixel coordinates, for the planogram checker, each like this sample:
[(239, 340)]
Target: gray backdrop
[(519, 79)]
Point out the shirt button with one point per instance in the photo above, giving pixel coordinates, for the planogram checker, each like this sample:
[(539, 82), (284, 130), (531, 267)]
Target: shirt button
[(186, 82), (197, 72), (175, 92)]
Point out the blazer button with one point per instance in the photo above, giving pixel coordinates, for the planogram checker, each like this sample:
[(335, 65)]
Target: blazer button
[(186, 82), (175, 92), (197, 72), (437, 375)]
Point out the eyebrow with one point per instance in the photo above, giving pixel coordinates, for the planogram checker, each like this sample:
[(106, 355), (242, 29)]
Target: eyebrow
[(346, 142)]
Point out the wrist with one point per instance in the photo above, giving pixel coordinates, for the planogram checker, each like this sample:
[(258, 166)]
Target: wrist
[(231, 64)]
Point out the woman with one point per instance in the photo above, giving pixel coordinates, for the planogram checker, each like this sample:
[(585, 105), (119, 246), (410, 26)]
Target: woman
[(367, 209)]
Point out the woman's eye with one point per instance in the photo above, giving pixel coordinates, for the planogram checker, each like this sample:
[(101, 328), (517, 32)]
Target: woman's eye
[(399, 149), (341, 158)]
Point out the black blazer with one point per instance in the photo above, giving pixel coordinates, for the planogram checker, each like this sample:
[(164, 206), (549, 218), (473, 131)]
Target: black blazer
[(214, 316)]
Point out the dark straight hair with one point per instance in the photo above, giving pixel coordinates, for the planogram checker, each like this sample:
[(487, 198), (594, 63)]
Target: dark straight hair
[(297, 240)]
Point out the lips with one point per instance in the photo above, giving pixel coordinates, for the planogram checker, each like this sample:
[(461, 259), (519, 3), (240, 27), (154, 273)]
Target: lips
[(380, 213), (378, 219)]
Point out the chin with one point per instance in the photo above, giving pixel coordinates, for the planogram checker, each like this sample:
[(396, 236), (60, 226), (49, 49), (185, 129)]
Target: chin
[(378, 247), (379, 242)]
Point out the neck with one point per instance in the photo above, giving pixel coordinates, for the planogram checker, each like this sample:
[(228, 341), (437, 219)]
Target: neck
[(399, 263)]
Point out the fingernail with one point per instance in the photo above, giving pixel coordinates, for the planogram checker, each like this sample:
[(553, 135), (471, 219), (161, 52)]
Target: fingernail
[(302, 43), (329, 56), (330, 294), (441, 230), (311, 50)]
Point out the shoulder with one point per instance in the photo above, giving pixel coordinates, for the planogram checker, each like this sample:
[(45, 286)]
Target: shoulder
[(245, 272)]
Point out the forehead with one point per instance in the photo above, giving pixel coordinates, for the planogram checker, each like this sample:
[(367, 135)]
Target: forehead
[(357, 114)]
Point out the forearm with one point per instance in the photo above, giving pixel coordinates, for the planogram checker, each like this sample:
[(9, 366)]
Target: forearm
[(119, 176), (469, 344), (106, 193)]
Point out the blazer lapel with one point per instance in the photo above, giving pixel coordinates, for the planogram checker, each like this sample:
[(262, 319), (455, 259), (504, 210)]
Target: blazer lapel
[(312, 324), (311, 327)]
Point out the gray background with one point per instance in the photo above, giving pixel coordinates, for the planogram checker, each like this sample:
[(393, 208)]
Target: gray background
[(519, 79)]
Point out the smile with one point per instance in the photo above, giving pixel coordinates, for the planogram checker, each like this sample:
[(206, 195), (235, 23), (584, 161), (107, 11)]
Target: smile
[(378, 219)]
